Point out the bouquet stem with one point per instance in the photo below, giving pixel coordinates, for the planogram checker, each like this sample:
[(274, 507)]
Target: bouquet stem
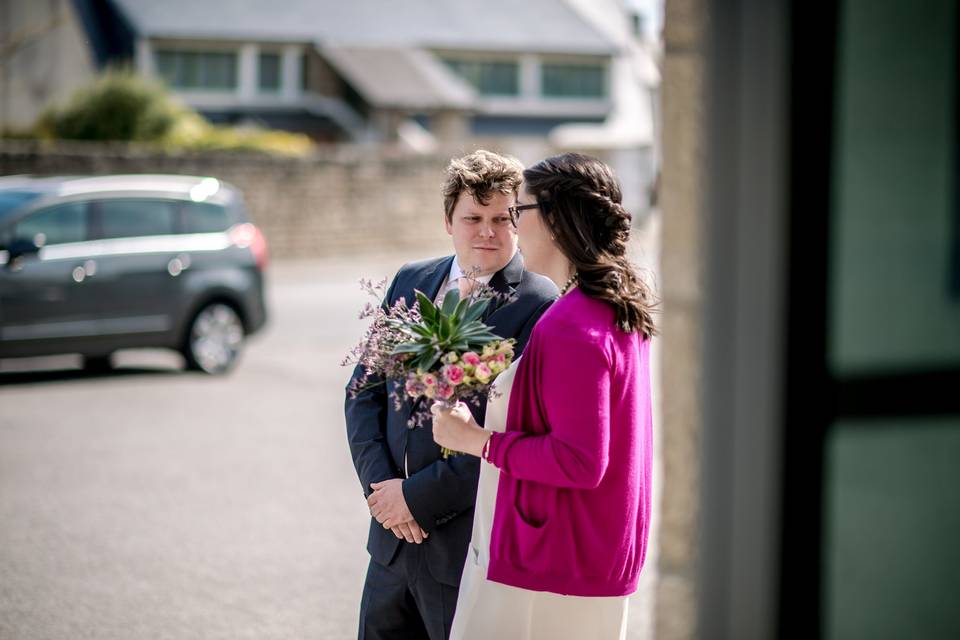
[(447, 453)]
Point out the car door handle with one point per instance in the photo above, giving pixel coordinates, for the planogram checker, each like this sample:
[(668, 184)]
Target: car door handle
[(178, 265), (87, 270)]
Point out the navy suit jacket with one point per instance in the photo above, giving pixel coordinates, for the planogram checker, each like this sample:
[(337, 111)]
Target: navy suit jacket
[(440, 493)]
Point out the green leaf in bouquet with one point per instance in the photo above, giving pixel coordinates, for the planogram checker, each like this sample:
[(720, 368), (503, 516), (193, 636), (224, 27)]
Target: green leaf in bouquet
[(457, 316), (474, 330), (445, 328), (408, 347), (475, 310), (450, 302), (428, 311), (421, 331), (427, 359)]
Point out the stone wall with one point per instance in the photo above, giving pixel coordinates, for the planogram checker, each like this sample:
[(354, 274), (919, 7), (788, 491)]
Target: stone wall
[(335, 203), (682, 267)]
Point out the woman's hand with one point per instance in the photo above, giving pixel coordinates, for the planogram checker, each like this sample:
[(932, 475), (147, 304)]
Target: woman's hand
[(455, 428)]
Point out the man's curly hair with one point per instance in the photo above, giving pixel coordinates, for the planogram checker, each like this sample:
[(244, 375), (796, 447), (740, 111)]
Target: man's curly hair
[(481, 174)]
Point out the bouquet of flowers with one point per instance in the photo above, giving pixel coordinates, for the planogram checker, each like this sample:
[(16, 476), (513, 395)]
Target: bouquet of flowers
[(440, 352)]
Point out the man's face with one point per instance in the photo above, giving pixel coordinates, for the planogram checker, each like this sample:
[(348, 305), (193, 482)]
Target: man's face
[(483, 236)]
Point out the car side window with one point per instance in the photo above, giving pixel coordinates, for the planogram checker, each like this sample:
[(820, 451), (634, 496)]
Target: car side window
[(55, 225), (204, 217), (127, 218)]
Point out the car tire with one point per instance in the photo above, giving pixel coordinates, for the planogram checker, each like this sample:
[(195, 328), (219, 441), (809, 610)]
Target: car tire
[(214, 339), (97, 364)]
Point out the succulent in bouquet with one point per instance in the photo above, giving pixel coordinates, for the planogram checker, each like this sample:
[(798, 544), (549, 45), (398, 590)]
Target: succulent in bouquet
[(442, 352)]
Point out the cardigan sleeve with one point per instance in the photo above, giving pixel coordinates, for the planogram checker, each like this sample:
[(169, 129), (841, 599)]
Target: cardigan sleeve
[(574, 393)]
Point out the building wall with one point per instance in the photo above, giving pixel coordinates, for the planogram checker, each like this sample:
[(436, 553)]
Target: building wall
[(682, 262), (336, 204), (44, 58), (320, 76)]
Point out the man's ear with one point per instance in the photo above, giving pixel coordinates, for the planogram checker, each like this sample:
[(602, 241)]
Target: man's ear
[(447, 224)]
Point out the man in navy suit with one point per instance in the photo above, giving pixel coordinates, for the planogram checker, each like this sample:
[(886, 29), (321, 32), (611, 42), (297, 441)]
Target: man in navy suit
[(421, 504)]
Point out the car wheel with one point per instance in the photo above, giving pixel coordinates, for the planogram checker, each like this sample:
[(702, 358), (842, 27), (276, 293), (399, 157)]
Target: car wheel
[(97, 364), (214, 339)]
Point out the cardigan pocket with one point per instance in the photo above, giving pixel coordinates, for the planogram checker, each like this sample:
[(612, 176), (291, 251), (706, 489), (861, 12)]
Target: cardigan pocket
[(529, 536), (533, 503), (527, 544)]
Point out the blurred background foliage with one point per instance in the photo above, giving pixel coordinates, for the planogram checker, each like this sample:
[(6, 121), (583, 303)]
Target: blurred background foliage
[(120, 105)]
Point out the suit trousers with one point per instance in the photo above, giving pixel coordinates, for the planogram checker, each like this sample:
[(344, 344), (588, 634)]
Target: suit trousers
[(403, 601)]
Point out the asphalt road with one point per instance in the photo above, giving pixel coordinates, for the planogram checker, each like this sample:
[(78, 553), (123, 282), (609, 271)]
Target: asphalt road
[(154, 503)]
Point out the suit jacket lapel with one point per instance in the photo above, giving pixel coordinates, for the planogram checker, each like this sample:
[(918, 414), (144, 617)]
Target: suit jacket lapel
[(431, 281), (505, 282)]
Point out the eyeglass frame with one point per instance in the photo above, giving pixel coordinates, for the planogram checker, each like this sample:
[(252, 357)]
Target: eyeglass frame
[(515, 210)]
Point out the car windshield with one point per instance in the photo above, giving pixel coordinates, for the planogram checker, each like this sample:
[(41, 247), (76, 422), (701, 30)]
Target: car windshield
[(13, 200)]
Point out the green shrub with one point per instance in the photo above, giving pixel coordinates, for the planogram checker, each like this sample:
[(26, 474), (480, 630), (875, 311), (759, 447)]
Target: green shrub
[(119, 105), (122, 106)]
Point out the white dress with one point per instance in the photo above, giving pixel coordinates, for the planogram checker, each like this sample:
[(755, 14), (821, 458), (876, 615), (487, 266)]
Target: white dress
[(489, 610)]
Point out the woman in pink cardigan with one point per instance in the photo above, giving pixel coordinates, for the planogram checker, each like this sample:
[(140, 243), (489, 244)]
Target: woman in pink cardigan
[(563, 507)]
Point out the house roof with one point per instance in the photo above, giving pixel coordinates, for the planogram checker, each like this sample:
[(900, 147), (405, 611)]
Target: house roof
[(400, 78), (493, 25)]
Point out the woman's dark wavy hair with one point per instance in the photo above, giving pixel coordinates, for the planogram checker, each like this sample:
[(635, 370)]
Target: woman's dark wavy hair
[(580, 201)]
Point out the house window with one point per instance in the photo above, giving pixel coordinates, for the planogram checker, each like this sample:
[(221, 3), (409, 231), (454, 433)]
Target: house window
[(489, 78), (269, 72), (198, 69), (574, 81)]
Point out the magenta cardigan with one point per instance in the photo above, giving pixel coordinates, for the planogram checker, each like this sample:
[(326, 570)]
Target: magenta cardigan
[(573, 503)]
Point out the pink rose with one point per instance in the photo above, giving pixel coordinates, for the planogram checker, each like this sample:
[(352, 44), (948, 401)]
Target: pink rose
[(444, 390), (483, 373), (414, 387), (429, 379), (453, 374), (471, 358)]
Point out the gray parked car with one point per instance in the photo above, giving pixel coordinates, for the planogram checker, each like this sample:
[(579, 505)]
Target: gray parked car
[(90, 265)]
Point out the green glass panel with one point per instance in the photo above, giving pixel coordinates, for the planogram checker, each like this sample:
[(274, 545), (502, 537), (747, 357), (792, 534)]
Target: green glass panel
[(892, 529), (573, 80), (488, 77), (893, 297)]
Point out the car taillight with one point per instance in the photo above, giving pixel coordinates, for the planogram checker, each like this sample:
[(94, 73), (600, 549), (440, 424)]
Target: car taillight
[(247, 235)]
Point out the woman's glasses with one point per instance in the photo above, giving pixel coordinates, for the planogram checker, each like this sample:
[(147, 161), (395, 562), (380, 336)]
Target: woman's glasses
[(515, 210)]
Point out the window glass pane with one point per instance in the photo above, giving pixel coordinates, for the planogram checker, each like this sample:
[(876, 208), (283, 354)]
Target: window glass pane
[(166, 62), (894, 262), (130, 218), (489, 78), (269, 72), (891, 529), (219, 70), (198, 69), (56, 225), (190, 70), (203, 217), (10, 200), (573, 80)]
